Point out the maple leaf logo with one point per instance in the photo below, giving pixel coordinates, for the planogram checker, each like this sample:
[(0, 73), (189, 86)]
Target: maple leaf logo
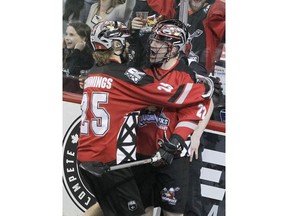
[(74, 138)]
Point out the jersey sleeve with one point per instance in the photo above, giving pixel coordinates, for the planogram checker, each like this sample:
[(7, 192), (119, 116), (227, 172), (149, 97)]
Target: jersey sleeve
[(136, 88), (188, 118), (166, 95)]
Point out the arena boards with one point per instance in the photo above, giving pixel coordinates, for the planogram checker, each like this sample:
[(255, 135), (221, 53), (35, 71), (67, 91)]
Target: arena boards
[(77, 198)]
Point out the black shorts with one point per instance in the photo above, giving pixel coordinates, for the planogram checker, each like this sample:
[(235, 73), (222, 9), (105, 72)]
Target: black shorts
[(165, 186), (116, 191)]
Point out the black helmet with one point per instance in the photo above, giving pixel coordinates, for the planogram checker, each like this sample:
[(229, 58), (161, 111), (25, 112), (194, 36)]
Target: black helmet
[(172, 31)]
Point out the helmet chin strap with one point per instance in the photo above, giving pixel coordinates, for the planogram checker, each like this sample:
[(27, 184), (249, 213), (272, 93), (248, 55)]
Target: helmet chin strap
[(122, 57), (119, 48), (165, 59)]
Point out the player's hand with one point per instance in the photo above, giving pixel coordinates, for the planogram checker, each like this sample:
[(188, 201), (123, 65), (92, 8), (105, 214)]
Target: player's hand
[(218, 96), (167, 151), (166, 158), (193, 149), (82, 81), (217, 84)]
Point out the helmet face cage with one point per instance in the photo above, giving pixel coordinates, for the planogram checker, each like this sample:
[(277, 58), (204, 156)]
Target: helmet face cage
[(158, 50), (171, 32), (105, 32)]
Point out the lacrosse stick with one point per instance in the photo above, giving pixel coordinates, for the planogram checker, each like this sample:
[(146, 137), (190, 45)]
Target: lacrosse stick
[(98, 168), (208, 82)]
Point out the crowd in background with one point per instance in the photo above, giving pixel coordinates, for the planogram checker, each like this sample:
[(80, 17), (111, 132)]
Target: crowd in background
[(205, 22)]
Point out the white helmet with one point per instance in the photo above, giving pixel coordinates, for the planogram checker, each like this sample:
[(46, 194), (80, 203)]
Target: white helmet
[(103, 33)]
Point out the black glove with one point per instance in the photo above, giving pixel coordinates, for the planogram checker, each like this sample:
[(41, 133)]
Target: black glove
[(166, 158), (168, 150), (218, 96), (217, 85)]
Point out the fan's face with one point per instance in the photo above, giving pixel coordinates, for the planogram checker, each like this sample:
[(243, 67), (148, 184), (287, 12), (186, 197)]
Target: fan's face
[(72, 38), (196, 5)]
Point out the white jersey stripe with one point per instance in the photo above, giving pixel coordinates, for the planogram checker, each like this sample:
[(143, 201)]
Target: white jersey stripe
[(187, 124), (186, 91)]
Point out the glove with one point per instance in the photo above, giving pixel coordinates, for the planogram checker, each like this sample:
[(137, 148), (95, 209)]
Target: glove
[(218, 96), (217, 85), (168, 150), (166, 158)]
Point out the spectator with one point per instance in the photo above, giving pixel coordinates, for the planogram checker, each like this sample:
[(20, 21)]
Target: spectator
[(115, 10), (142, 5), (206, 24), (71, 12), (138, 42), (164, 7), (116, 85), (85, 9), (76, 10), (77, 54), (167, 186), (157, 10)]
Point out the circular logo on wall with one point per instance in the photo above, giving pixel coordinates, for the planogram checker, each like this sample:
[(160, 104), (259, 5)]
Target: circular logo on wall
[(74, 184)]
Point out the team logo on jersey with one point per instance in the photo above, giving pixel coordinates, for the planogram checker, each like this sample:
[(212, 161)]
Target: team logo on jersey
[(192, 57), (169, 195), (126, 141), (159, 118), (73, 182), (196, 33), (134, 75), (132, 205)]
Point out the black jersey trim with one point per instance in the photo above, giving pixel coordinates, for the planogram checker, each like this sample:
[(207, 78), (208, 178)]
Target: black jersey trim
[(177, 94), (120, 71)]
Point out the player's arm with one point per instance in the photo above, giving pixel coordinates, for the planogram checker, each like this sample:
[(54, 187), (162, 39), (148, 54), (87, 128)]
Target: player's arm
[(186, 125), (196, 135), (189, 118)]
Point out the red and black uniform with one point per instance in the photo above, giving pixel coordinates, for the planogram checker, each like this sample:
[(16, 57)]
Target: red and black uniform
[(167, 119), (207, 27), (107, 133), (170, 182), (112, 92)]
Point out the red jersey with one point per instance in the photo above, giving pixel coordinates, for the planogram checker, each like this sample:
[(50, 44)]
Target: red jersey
[(207, 29), (163, 7), (177, 121), (111, 93)]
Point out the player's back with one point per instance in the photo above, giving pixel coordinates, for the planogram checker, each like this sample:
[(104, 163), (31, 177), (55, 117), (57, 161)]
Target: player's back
[(105, 106)]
